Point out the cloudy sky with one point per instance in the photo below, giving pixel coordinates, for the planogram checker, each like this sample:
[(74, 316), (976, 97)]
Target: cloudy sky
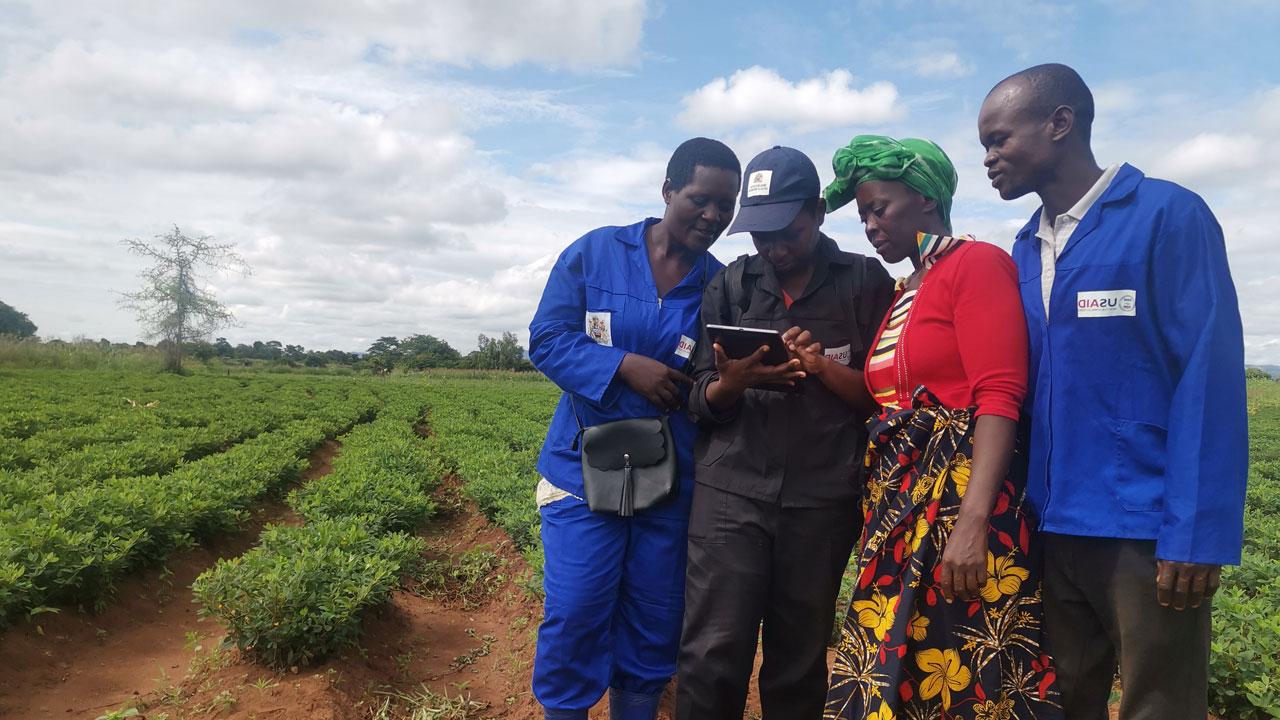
[(395, 167)]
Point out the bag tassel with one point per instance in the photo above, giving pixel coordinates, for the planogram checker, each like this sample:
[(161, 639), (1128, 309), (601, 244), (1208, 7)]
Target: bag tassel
[(626, 508)]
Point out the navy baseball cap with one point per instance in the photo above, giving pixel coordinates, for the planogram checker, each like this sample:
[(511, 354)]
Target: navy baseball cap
[(775, 186)]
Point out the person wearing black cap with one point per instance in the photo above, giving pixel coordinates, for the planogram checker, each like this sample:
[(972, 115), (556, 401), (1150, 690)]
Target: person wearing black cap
[(778, 475)]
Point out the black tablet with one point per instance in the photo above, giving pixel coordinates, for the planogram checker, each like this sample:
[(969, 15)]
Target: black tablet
[(739, 342)]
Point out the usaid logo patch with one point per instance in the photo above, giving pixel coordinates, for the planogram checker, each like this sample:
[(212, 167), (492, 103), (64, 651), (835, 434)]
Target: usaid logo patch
[(685, 347), (759, 182), (840, 354), (1107, 303)]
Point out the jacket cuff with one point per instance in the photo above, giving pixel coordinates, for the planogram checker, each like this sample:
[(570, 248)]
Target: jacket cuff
[(701, 412), (1177, 550)]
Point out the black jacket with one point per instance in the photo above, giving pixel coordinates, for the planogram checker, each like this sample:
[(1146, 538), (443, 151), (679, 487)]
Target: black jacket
[(802, 450)]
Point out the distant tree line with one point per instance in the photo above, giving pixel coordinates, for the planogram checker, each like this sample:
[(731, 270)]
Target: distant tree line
[(387, 353), (420, 352)]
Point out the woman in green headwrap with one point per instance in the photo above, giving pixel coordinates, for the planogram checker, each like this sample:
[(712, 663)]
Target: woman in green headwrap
[(945, 619)]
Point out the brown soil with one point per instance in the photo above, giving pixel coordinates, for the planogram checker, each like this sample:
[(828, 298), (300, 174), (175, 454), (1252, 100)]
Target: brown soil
[(76, 665), (148, 650), (475, 643)]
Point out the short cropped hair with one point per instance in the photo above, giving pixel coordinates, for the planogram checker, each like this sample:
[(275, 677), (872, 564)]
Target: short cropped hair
[(1054, 85), (700, 151)]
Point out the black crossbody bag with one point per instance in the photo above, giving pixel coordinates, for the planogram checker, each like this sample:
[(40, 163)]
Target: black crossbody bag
[(627, 465)]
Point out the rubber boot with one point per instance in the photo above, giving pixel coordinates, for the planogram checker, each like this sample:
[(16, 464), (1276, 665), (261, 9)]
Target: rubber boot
[(627, 705), (549, 714)]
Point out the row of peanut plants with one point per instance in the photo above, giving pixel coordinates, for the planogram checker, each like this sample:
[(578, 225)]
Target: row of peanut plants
[(1245, 666), (304, 591), (67, 543), (490, 430), (140, 426)]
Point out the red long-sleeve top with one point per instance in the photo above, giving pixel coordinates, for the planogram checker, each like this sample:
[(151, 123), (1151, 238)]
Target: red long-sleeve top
[(965, 338)]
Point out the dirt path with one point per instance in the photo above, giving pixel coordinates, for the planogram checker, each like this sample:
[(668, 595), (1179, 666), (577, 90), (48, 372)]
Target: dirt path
[(75, 665), (456, 643), (459, 639), (458, 646)]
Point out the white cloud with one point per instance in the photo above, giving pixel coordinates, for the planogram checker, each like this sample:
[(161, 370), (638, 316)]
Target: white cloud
[(941, 65), (760, 96), (1116, 98), (633, 179), (496, 33), (1211, 154), (348, 177)]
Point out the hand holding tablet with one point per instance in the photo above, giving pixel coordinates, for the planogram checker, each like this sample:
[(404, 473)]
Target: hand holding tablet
[(754, 358)]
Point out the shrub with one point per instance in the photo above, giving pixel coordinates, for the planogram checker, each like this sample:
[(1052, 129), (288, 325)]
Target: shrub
[(301, 594)]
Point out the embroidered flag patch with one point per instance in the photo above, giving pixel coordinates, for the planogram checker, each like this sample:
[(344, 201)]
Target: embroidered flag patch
[(600, 327), (838, 354), (1107, 303)]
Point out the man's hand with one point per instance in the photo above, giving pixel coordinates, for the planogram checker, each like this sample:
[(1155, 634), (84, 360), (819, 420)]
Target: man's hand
[(802, 347), (736, 375), (1181, 584), (653, 380)]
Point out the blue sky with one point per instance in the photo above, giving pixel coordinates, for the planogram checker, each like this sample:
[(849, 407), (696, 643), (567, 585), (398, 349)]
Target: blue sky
[(397, 167)]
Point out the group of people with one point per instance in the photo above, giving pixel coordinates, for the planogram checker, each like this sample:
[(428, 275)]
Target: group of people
[(1035, 465)]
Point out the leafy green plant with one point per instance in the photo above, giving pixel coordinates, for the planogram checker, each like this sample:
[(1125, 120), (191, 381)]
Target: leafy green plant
[(68, 531), (302, 593), (490, 428), (384, 475)]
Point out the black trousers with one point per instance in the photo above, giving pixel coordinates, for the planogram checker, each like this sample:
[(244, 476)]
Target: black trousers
[(1100, 613), (757, 569)]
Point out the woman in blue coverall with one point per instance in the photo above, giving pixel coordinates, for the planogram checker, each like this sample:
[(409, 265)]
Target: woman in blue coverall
[(615, 330)]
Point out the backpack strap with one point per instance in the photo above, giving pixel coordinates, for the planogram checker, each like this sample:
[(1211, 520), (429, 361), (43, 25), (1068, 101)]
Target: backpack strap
[(735, 278), (849, 285)]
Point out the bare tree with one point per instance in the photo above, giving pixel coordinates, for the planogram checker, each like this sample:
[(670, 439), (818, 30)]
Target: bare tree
[(174, 307)]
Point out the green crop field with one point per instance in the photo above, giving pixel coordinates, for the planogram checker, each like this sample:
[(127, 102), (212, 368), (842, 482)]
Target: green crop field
[(105, 472)]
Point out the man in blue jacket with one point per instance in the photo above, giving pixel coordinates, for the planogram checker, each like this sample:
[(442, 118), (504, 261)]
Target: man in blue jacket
[(1138, 436)]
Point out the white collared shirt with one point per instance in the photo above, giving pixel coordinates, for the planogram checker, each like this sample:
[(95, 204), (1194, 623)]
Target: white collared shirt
[(1054, 236)]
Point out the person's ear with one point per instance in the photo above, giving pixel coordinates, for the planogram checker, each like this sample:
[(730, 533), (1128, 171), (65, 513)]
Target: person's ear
[(667, 191), (1061, 122), (819, 212), (928, 205)]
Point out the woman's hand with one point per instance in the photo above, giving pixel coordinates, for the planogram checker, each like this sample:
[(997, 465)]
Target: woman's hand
[(653, 380), (803, 348), (963, 570)]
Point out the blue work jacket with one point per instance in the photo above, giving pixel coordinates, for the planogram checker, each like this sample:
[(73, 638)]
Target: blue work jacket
[(599, 304), (1136, 397)]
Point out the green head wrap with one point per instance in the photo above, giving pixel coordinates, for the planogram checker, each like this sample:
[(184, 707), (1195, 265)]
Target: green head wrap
[(919, 164)]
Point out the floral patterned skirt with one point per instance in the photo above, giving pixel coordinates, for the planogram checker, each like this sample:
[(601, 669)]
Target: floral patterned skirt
[(905, 653)]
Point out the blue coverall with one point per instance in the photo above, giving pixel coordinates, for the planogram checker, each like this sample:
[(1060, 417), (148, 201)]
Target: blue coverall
[(614, 586), (1137, 397)]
